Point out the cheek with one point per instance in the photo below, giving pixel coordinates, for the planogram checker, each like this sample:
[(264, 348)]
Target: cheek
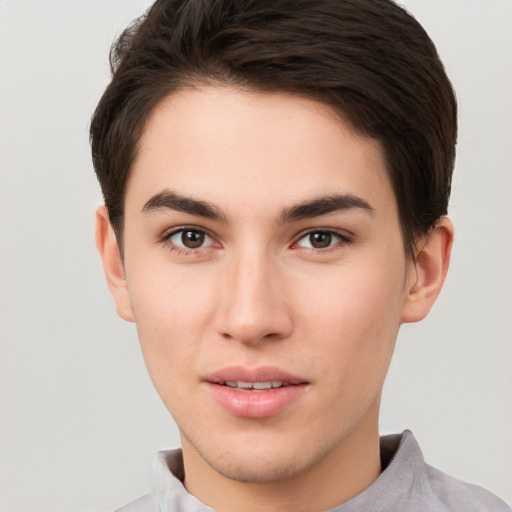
[(171, 313), (168, 296), (364, 294), (355, 315)]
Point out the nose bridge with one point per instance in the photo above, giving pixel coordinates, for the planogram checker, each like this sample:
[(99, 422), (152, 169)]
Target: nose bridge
[(252, 305)]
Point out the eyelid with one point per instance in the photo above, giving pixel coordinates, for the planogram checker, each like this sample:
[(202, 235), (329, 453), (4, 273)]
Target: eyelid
[(169, 233), (344, 236)]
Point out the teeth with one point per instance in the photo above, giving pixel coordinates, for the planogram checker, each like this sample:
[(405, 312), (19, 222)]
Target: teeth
[(255, 385), (262, 385)]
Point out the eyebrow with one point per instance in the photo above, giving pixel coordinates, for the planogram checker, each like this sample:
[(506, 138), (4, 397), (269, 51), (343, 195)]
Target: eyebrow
[(323, 206), (173, 201), (305, 210)]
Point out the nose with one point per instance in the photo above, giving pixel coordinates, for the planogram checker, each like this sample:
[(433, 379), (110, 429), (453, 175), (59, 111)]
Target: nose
[(253, 302)]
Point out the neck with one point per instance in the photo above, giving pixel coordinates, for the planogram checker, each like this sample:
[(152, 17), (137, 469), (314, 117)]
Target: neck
[(345, 472)]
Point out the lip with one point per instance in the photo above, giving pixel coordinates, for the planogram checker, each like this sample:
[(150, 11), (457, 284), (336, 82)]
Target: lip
[(255, 403), (260, 374)]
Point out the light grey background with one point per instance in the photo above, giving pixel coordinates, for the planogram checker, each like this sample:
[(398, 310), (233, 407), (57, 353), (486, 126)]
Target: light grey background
[(80, 421)]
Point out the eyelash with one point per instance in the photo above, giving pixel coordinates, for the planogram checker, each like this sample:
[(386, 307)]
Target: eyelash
[(343, 239), (166, 240)]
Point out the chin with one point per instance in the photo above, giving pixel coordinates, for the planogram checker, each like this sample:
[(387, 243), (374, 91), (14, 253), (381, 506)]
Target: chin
[(258, 471), (261, 461)]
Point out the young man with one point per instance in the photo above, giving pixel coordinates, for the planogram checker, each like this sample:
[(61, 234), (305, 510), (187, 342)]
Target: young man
[(276, 178)]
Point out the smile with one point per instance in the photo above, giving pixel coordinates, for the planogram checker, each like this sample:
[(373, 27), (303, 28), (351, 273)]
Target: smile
[(255, 393), (255, 386)]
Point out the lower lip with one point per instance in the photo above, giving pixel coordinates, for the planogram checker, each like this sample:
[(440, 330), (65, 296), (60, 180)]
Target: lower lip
[(255, 404)]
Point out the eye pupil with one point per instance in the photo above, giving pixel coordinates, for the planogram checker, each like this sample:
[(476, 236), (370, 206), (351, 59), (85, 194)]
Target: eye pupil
[(192, 239), (320, 240)]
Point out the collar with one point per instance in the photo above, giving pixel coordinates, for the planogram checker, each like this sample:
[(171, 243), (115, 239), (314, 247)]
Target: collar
[(400, 455)]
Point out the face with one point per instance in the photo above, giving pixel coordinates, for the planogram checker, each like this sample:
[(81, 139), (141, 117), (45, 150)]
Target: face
[(266, 273)]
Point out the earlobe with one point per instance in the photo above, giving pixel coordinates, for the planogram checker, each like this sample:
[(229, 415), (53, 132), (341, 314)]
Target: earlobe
[(427, 272), (108, 249)]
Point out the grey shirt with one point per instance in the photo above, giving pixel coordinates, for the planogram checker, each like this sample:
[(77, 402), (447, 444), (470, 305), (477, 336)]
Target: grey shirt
[(407, 484)]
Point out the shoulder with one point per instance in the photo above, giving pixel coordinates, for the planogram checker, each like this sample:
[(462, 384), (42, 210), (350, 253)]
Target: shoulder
[(147, 503), (448, 493)]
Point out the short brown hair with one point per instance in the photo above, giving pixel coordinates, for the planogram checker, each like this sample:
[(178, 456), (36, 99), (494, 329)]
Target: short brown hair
[(370, 60)]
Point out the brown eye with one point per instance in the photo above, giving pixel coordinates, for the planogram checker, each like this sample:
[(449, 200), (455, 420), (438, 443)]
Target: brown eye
[(192, 239), (187, 238), (320, 240)]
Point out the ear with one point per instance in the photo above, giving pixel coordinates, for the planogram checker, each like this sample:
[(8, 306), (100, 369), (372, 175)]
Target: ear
[(427, 272), (106, 243)]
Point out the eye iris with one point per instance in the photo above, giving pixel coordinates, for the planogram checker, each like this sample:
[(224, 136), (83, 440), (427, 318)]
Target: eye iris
[(192, 239), (320, 240)]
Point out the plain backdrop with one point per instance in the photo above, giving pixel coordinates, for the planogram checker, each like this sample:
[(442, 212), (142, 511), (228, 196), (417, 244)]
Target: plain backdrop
[(80, 421)]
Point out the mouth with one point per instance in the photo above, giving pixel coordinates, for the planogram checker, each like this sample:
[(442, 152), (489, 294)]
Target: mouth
[(254, 379), (255, 386), (257, 393)]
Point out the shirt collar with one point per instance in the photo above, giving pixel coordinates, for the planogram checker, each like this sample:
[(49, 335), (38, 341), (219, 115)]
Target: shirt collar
[(401, 459)]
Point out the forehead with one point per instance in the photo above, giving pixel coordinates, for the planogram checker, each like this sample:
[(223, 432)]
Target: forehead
[(249, 148)]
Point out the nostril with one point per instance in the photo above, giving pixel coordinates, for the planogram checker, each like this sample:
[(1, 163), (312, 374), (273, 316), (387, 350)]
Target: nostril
[(252, 336)]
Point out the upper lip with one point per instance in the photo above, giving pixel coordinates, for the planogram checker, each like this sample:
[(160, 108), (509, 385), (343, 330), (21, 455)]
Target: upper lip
[(259, 374)]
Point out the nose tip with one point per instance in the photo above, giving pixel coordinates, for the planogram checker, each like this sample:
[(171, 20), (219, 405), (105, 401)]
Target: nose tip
[(252, 306), (249, 332)]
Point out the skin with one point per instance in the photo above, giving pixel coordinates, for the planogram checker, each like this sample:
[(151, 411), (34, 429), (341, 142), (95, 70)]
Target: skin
[(255, 292)]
